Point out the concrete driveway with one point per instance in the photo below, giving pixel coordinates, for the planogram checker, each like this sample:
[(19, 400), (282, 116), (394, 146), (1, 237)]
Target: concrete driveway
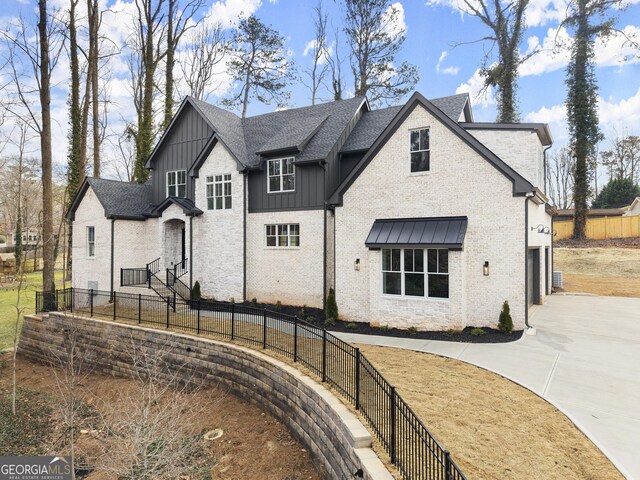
[(585, 360)]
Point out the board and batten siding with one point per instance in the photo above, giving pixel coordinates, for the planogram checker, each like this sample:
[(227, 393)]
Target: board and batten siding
[(308, 194), (179, 150)]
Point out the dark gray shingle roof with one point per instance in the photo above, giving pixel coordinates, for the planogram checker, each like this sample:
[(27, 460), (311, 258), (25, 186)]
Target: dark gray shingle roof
[(294, 135), (452, 106), (122, 199), (373, 123), (261, 129), (368, 128)]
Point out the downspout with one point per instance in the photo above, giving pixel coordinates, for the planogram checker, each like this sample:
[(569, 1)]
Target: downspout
[(526, 259), (191, 253), (544, 166), (552, 235), (113, 223), (324, 239), (544, 155), (245, 207)]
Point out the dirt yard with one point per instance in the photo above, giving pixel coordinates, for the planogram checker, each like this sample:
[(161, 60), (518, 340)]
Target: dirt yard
[(494, 428), (601, 271), (251, 440)]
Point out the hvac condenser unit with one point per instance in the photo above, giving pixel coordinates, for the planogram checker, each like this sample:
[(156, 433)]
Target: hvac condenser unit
[(557, 280)]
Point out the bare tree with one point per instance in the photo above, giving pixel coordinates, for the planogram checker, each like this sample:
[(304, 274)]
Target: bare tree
[(258, 62), (151, 434), (179, 21), (335, 63), (32, 61), (375, 38), (207, 48), (560, 175), (505, 21), (319, 53), (623, 157)]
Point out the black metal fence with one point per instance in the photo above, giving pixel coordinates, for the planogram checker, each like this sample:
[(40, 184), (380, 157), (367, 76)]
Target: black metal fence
[(410, 445)]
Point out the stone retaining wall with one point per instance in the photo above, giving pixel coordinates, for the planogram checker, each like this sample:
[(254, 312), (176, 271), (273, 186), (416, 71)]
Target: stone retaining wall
[(337, 441)]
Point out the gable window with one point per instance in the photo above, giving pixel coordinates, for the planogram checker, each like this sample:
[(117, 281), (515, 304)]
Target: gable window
[(219, 192), (281, 175), (419, 148), (283, 235), (177, 183), (91, 241), (404, 273)]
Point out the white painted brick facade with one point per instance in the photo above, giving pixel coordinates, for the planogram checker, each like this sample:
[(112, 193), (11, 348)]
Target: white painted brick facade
[(460, 183), (291, 275), (218, 234), (520, 149)]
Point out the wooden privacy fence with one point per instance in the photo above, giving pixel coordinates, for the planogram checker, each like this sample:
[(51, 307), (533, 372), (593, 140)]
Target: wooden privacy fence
[(602, 228)]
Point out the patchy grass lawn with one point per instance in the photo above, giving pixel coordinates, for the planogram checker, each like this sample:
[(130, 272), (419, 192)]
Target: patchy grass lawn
[(9, 297), (600, 271), (493, 428)]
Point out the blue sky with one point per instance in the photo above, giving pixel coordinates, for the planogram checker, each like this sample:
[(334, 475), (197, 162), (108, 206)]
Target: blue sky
[(433, 29)]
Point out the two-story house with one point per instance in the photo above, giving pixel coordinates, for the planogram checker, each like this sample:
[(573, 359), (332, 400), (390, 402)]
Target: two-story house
[(415, 214)]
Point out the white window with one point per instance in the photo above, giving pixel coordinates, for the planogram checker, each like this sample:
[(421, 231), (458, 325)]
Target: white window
[(91, 241), (419, 148), (219, 192), (177, 183), (404, 272), (283, 235), (281, 175)]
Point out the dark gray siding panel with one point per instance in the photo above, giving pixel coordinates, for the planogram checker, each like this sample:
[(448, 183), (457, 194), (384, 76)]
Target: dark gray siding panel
[(347, 163), (179, 150), (309, 193), (333, 159)]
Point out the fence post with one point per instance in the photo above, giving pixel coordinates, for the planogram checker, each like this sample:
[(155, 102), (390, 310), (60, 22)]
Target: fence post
[(115, 305), (139, 308), (392, 440), (168, 302), (357, 375), (91, 300), (198, 327), (324, 355), (233, 320), (70, 290), (295, 339), (264, 328), (447, 465)]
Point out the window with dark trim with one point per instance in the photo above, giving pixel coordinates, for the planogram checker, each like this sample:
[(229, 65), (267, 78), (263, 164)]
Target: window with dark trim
[(419, 150), (404, 272), (177, 183), (283, 235), (219, 192), (281, 175), (91, 241)]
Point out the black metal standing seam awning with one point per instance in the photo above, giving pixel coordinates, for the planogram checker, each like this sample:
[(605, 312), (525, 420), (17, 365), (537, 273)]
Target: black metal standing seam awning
[(433, 232)]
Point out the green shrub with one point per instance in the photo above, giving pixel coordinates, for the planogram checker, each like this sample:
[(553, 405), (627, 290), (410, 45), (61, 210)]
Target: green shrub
[(505, 323), (311, 319), (352, 326), (303, 311), (329, 321), (412, 331), (452, 331), (385, 328), (254, 301), (278, 306), (196, 294), (477, 332), (331, 309), (232, 300)]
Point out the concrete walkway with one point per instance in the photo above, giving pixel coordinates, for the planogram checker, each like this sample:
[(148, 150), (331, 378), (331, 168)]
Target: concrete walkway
[(585, 360)]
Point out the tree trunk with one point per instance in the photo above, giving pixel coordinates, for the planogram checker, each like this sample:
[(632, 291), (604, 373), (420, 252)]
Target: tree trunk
[(171, 48), (93, 18), (45, 147)]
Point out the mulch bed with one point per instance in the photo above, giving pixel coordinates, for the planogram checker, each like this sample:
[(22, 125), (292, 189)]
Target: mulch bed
[(315, 316), (631, 242)]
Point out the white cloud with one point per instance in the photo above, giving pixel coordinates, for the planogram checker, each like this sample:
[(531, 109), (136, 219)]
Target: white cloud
[(554, 51), (626, 111), (228, 12), (446, 70), (475, 87), (394, 26)]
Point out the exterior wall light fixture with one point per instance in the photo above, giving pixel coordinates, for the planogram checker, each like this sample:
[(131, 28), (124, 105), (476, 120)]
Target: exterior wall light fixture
[(485, 269), (356, 265)]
